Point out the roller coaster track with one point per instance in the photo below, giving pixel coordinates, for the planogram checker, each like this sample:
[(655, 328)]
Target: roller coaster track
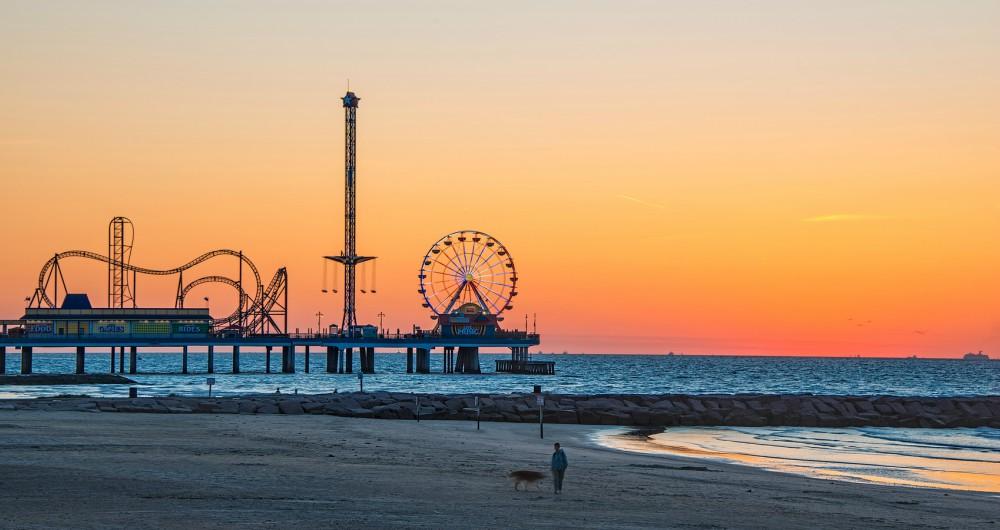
[(263, 319), (255, 304)]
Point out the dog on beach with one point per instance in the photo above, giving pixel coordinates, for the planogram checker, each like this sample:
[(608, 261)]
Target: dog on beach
[(527, 478)]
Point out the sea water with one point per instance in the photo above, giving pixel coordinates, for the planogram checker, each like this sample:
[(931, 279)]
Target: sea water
[(575, 374)]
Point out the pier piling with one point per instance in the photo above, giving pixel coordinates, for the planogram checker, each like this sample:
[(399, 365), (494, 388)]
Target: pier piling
[(409, 360), (331, 359), (133, 358), (423, 360), (81, 352), (112, 360), (211, 359), (267, 359), (287, 360), (367, 356), (236, 359), (468, 360), (348, 360), (448, 360), (26, 357), (3, 359), (305, 362), (184, 359)]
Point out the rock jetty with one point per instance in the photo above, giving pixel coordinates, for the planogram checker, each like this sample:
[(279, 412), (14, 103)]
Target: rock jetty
[(751, 410)]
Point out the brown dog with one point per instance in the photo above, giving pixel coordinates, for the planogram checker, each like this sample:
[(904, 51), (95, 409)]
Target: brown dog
[(527, 478)]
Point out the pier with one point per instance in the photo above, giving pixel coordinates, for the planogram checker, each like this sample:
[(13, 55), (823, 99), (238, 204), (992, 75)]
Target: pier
[(467, 281), (339, 350)]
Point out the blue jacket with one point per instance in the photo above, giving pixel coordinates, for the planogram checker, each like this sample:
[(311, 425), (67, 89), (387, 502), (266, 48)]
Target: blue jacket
[(559, 462)]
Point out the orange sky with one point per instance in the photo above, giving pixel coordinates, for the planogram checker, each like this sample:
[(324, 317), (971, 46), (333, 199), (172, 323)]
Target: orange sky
[(702, 177)]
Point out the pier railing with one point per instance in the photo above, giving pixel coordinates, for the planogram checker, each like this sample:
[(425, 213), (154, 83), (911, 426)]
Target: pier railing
[(518, 335), (508, 366)]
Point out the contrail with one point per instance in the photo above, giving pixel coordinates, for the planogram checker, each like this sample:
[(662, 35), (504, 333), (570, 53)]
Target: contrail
[(640, 201)]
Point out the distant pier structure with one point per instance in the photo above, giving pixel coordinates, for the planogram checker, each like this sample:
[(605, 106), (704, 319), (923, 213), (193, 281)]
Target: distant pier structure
[(467, 280)]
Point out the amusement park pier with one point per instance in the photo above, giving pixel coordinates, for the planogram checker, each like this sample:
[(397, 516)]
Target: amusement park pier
[(466, 280)]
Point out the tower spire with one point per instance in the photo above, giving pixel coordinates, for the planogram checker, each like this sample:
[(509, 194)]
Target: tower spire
[(349, 258)]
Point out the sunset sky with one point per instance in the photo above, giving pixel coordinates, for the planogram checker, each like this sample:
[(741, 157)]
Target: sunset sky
[(793, 178)]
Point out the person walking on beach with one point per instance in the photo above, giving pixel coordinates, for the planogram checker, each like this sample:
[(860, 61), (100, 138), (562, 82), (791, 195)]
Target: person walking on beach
[(559, 465)]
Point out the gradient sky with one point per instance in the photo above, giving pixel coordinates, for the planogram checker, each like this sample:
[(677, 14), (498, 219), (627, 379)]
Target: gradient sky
[(796, 178)]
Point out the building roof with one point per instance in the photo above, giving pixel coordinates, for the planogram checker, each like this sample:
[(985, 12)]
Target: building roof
[(76, 301), (105, 313)]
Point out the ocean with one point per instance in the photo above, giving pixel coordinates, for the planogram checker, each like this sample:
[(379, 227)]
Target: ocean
[(575, 374)]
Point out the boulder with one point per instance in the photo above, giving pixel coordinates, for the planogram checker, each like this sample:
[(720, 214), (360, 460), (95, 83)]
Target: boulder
[(267, 408), (696, 405), (641, 416), (290, 407), (663, 404), (386, 412), (312, 407)]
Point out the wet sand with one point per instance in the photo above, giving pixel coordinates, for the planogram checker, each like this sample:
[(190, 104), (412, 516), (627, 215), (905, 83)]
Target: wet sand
[(88, 470), (954, 459)]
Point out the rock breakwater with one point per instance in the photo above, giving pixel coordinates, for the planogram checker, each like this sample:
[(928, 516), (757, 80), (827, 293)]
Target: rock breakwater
[(750, 410)]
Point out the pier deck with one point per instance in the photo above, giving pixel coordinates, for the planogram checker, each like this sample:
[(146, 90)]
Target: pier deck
[(339, 349)]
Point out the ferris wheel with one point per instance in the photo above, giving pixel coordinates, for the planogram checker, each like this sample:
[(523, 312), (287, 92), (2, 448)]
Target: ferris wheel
[(466, 267)]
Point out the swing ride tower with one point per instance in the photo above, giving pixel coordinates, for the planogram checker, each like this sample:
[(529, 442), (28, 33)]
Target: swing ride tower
[(349, 258)]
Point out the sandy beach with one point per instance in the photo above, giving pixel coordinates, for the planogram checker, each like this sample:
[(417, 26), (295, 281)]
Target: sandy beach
[(86, 470)]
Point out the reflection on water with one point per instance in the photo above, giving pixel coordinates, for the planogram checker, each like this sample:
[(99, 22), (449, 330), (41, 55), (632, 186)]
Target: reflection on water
[(963, 459)]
